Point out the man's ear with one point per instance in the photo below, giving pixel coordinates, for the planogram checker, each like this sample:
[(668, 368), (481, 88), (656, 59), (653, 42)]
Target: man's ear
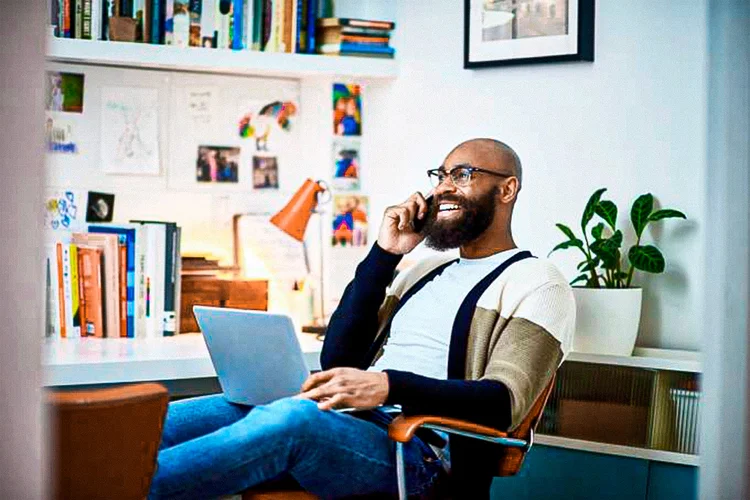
[(509, 190)]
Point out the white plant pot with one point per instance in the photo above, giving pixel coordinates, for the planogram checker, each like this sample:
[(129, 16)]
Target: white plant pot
[(607, 320)]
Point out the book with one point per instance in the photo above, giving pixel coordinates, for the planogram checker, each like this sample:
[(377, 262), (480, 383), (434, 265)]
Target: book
[(287, 27), (62, 317), (258, 15), (355, 49), (110, 281), (223, 24), (96, 19), (208, 24), (75, 300), (157, 21), (238, 24), (312, 21), (196, 7), (301, 35), (90, 276), (336, 36), (122, 262), (168, 27), (147, 19), (181, 24), (358, 23), (155, 271)]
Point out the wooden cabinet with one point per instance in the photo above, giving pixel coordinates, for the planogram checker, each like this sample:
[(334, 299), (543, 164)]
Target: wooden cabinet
[(219, 291)]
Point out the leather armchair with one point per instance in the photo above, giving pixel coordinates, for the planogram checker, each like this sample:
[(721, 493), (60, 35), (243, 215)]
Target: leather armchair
[(104, 441)]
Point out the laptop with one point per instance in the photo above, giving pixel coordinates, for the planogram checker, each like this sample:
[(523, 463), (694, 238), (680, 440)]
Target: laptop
[(256, 354)]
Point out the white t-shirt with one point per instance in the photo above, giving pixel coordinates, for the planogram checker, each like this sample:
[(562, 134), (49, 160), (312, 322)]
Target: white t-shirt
[(421, 330)]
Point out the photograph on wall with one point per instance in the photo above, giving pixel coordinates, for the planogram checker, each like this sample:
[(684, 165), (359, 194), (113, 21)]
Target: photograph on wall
[(130, 130), (58, 134), (347, 109), (265, 172), (500, 32), (346, 172), (100, 207), (349, 221), (64, 92), (264, 120), (217, 164)]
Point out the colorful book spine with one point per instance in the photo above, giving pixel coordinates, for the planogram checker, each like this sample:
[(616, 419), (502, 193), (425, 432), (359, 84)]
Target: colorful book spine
[(122, 261), (301, 27), (61, 290), (267, 24), (196, 7), (257, 24), (168, 22), (75, 291), (238, 24), (78, 19), (312, 21), (157, 21), (91, 277), (54, 16), (86, 20)]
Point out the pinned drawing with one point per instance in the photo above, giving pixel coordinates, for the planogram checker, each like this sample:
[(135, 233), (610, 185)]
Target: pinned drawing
[(130, 132), (58, 134), (270, 117), (61, 210)]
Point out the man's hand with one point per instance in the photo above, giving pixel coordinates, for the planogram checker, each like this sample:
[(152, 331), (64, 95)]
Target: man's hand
[(397, 232), (346, 388)]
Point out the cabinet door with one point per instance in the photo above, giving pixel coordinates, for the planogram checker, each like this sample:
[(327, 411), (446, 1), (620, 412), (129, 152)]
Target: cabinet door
[(557, 473), (247, 295)]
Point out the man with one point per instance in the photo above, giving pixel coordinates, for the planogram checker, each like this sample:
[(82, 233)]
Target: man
[(477, 338)]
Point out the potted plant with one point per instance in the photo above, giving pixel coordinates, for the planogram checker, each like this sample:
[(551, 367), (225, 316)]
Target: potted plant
[(608, 307)]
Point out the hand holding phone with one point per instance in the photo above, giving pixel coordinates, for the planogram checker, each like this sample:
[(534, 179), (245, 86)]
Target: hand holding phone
[(400, 230), (419, 223)]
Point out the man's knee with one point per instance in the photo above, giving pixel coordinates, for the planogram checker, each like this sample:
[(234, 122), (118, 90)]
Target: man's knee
[(295, 417)]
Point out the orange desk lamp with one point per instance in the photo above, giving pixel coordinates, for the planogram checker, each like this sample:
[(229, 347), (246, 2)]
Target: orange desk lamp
[(293, 220)]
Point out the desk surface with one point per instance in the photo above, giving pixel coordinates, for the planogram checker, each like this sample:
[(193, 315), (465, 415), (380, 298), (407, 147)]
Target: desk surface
[(91, 361)]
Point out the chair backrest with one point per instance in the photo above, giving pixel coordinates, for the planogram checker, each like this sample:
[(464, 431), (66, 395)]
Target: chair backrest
[(105, 441), (511, 459)]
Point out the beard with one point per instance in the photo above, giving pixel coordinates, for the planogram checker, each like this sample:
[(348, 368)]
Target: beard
[(476, 216)]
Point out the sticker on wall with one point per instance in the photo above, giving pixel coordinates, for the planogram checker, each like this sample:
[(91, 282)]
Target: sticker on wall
[(58, 132), (265, 120), (64, 92), (217, 164), (63, 210), (130, 130), (346, 166), (347, 109), (349, 221), (265, 172), (100, 207)]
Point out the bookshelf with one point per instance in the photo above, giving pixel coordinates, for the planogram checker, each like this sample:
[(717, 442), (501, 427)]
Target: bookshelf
[(217, 61)]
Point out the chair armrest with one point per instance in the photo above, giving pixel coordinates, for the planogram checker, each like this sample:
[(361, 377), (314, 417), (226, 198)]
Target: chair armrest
[(403, 428)]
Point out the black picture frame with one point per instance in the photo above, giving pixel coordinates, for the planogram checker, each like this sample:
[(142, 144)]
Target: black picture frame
[(585, 45)]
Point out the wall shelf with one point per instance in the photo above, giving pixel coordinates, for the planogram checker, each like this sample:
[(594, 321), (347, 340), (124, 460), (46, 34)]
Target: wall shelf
[(657, 359), (230, 62), (616, 449)]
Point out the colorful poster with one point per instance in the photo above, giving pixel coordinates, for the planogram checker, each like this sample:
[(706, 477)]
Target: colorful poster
[(217, 164), (265, 172), (349, 221), (346, 165), (64, 92), (263, 120), (130, 130), (58, 132), (347, 109)]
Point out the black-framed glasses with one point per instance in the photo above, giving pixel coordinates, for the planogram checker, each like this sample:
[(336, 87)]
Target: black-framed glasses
[(460, 175)]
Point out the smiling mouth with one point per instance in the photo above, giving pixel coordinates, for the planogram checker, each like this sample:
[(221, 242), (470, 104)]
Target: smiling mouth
[(448, 208)]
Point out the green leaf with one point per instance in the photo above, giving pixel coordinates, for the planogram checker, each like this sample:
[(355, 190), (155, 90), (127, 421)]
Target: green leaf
[(597, 231), (587, 266), (607, 210), (588, 212), (666, 213), (647, 258), (566, 230), (579, 278), (639, 214), (608, 250), (567, 244)]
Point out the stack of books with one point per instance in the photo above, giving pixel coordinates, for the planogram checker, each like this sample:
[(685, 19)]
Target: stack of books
[(115, 280), (355, 37)]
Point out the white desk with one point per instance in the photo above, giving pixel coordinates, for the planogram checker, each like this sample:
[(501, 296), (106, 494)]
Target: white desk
[(91, 361)]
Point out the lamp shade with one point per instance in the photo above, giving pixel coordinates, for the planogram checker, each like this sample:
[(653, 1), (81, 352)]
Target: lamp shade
[(293, 218)]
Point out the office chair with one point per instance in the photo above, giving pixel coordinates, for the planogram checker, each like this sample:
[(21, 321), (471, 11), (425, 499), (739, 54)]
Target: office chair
[(105, 441), (515, 445)]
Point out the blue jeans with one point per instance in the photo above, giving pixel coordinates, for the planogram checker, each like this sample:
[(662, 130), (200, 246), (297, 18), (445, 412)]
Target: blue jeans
[(211, 447)]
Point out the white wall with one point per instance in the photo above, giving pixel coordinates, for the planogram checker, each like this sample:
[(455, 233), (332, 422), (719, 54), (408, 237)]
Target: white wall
[(633, 121)]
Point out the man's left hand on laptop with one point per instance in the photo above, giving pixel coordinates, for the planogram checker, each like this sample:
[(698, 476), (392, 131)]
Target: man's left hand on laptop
[(346, 387)]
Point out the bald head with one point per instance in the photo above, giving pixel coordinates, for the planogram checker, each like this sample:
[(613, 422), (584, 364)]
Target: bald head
[(502, 157)]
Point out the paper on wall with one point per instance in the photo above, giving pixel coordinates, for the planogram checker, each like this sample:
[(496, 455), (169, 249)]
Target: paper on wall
[(130, 130), (282, 256), (201, 104)]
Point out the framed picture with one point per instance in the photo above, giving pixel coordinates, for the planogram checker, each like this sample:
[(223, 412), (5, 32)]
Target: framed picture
[(504, 32)]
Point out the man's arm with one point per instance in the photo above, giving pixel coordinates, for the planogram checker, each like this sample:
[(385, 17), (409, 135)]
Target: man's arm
[(352, 328)]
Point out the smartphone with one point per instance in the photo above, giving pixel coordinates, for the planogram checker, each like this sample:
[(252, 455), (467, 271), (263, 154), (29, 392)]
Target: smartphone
[(419, 223)]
